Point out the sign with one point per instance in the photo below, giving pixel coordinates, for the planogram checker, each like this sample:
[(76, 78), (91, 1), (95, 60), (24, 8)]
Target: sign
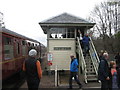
[(50, 56), (62, 48), (49, 63)]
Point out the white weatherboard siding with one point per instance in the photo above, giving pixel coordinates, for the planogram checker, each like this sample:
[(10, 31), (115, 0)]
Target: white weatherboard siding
[(61, 58)]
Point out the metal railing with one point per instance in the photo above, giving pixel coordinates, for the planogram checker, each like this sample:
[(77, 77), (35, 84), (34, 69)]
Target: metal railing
[(94, 56), (81, 59)]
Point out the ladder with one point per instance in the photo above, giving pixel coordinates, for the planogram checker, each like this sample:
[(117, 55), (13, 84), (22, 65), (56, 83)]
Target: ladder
[(88, 64)]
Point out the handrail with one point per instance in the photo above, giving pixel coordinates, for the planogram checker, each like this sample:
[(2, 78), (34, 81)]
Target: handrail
[(94, 50), (94, 64), (81, 58), (94, 56)]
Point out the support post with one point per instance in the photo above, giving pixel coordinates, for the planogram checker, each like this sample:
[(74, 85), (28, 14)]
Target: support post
[(58, 79), (56, 76)]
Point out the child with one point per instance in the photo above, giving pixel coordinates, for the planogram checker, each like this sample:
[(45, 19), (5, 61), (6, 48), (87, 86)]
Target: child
[(114, 76)]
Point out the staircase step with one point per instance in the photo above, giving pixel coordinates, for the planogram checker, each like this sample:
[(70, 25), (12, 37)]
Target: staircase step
[(90, 69), (91, 73), (88, 62), (91, 76), (92, 79), (88, 59), (89, 65)]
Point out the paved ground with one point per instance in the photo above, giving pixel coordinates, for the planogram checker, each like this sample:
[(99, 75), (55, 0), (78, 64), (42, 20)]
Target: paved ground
[(48, 81)]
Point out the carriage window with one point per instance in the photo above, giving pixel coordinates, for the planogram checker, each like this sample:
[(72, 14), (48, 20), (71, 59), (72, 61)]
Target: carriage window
[(23, 48), (23, 42), (32, 44), (7, 40), (8, 48), (28, 44)]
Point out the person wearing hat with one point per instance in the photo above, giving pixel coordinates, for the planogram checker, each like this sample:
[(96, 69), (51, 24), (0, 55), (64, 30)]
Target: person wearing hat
[(74, 71), (33, 70)]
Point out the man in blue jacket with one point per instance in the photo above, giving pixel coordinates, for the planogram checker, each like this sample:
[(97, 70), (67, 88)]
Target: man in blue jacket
[(86, 46), (74, 71), (103, 72)]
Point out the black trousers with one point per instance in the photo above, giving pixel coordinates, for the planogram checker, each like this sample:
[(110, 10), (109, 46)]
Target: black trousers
[(104, 85), (86, 49), (73, 74), (33, 84)]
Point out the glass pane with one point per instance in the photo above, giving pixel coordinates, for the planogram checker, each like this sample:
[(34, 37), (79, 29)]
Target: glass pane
[(62, 33)]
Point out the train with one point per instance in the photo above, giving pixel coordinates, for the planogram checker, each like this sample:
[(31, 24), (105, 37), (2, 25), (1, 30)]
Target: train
[(14, 50)]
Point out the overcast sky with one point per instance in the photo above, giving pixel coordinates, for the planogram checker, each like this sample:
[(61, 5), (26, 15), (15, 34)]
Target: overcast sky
[(23, 16)]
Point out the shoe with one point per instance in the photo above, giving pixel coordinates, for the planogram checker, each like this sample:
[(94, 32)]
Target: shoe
[(80, 86)]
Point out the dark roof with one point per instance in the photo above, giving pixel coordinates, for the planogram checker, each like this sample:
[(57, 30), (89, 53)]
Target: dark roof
[(65, 18), (4, 30)]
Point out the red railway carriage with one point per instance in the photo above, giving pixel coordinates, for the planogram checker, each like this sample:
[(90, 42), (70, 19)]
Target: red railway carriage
[(14, 50)]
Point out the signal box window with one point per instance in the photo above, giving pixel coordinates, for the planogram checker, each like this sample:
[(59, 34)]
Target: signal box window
[(62, 33)]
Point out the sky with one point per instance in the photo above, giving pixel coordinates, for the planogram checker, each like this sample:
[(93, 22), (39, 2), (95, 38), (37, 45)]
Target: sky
[(23, 16)]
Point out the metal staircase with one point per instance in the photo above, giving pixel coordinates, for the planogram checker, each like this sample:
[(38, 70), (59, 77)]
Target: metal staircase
[(89, 64)]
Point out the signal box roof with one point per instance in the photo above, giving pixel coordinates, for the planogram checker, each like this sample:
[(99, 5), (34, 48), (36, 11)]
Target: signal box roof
[(64, 20)]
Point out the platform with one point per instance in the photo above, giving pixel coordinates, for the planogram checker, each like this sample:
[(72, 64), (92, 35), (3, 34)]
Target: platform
[(48, 82)]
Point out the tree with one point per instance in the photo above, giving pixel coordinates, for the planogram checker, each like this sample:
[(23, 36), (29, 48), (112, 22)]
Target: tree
[(1, 21), (105, 17)]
